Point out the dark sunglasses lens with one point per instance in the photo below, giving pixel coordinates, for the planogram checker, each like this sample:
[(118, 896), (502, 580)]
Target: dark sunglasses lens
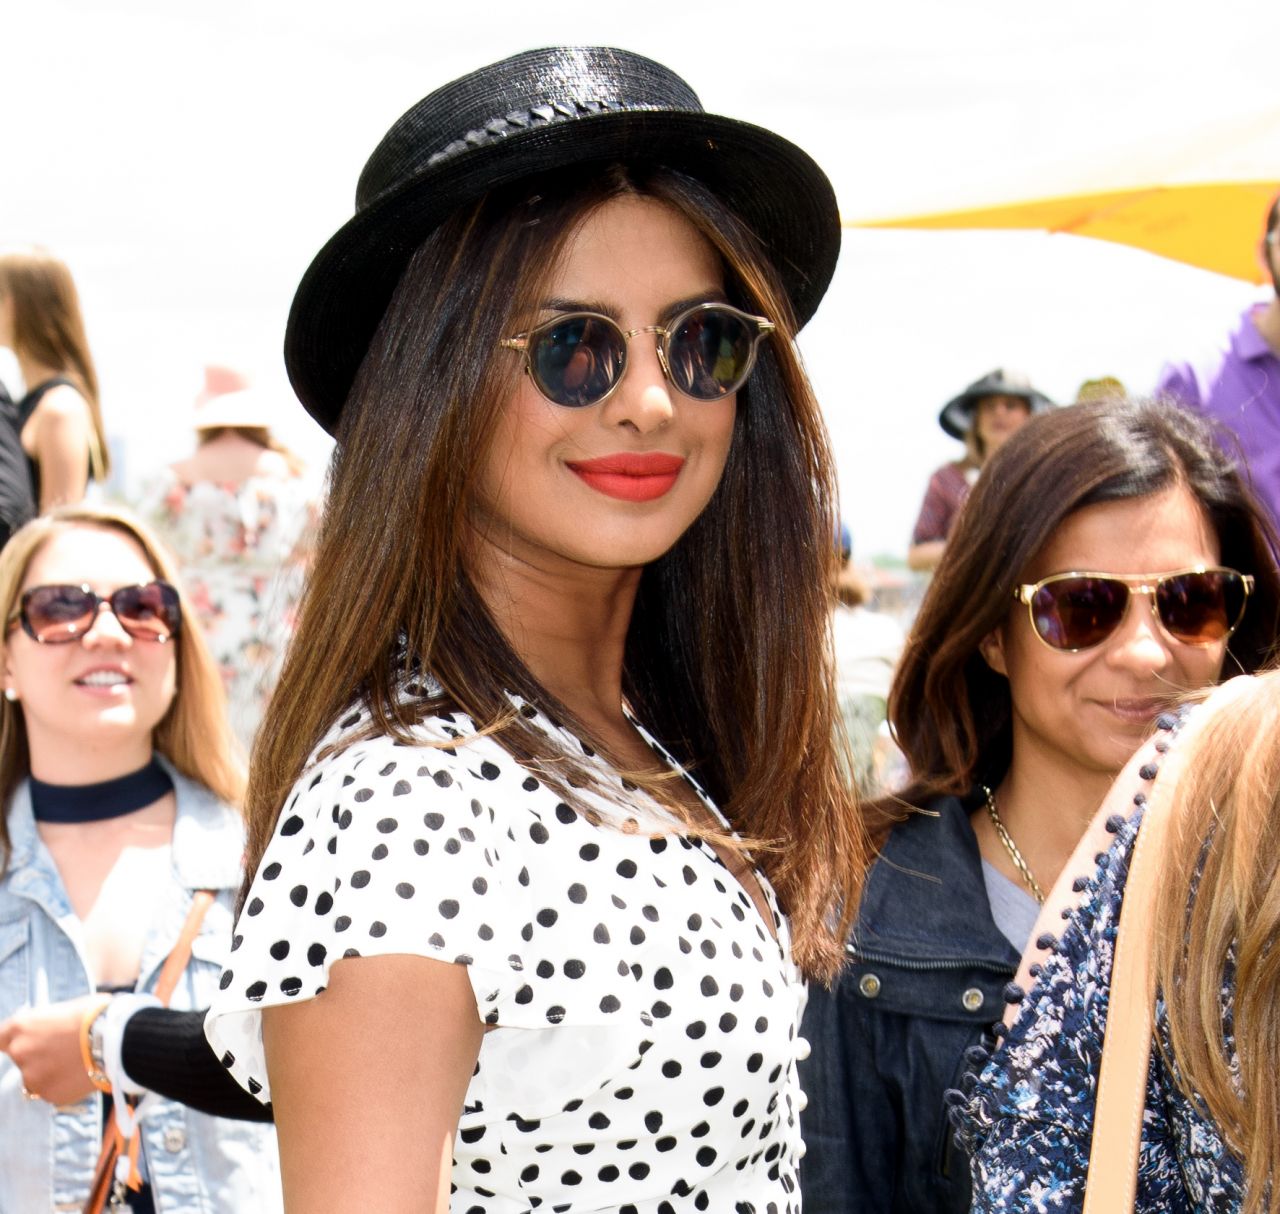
[(577, 361), (58, 613), (1201, 608), (709, 352), (148, 612), (1079, 612)]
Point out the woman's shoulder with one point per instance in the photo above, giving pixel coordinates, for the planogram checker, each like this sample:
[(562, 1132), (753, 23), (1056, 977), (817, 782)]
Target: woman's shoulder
[(953, 473), (208, 835), (56, 406), (364, 780), (439, 739), (61, 396)]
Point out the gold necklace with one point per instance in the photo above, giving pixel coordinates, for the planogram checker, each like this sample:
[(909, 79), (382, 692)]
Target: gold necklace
[(1012, 848)]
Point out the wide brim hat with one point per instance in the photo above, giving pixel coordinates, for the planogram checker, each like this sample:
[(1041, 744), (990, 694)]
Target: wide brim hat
[(956, 417), (250, 408), (541, 110), (219, 380)]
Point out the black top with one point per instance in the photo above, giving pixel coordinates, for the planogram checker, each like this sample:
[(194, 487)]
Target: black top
[(26, 407), (167, 1052)]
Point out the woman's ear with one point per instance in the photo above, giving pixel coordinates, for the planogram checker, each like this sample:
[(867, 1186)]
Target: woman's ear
[(992, 649), (10, 691)]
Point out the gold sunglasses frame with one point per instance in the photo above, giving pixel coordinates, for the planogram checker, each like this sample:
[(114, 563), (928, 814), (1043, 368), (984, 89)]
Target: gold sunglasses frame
[(523, 341), (1136, 583)]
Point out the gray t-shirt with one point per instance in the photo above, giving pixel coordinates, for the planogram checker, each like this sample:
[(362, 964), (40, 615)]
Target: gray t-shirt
[(1014, 910)]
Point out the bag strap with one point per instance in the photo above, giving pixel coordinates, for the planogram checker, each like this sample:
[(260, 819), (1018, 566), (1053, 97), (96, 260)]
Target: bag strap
[(1126, 1051), (177, 960), (113, 1142)]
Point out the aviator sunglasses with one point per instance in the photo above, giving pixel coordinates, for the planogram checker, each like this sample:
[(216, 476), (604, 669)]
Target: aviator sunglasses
[(55, 615), (1075, 611), (578, 358)]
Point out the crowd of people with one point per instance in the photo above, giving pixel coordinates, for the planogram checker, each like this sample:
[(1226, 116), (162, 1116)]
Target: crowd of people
[(601, 847)]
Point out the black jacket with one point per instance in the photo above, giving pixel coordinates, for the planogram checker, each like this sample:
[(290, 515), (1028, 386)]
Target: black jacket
[(927, 967)]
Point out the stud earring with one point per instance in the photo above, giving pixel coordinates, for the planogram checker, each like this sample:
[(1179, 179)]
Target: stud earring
[(11, 694)]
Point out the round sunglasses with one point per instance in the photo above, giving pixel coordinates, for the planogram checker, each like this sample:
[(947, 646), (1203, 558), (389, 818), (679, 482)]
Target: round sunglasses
[(578, 358), (56, 615), (1074, 611)]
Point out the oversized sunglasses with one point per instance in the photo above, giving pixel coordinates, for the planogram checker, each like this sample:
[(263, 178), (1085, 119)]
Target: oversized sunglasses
[(55, 615), (1074, 611), (579, 358)]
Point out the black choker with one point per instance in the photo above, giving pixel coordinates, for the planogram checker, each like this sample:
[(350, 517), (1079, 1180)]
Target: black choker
[(106, 799)]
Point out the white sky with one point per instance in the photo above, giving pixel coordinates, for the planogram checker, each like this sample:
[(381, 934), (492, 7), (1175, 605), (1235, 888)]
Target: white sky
[(188, 159)]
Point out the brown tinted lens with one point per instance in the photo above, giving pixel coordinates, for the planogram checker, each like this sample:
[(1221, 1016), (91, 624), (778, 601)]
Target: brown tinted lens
[(148, 612), (1078, 612), (53, 614), (1201, 608)]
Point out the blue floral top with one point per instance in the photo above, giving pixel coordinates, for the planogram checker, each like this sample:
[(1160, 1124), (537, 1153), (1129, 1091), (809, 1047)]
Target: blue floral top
[(1028, 1121)]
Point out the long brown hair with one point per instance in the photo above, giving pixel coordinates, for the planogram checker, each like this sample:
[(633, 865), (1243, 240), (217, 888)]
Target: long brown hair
[(950, 712), (194, 734), (49, 329), (1218, 916), (726, 658)]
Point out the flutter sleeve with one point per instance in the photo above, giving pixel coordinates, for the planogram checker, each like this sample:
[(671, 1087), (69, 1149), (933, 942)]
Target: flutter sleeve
[(380, 849)]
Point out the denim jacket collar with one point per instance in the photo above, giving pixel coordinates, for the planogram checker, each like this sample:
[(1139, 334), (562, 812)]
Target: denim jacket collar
[(206, 855), (931, 864)]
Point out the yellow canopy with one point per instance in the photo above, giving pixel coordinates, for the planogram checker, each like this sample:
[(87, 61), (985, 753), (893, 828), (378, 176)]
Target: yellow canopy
[(1205, 225)]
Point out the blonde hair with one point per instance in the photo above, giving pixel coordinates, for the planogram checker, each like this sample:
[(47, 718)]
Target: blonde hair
[(1218, 909), (194, 734), (49, 329)]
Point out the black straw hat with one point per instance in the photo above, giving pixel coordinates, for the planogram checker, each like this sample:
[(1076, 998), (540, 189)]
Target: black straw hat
[(534, 112), (956, 417)]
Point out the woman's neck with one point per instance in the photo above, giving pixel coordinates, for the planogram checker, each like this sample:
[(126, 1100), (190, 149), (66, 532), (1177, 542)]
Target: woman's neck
[(1045, 803), (80, 764), (566, 622)]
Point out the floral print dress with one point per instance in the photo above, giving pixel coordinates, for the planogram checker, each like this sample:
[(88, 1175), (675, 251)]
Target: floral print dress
[(1028, 1121), (241, 548)]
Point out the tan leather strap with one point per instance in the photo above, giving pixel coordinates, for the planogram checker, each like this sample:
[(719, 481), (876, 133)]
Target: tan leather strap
[(177, 960), (113, 1142), (104, 1172), (1126, 1050)]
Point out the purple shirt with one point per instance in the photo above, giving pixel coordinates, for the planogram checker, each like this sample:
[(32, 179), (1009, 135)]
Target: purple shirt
[(1239, 387)]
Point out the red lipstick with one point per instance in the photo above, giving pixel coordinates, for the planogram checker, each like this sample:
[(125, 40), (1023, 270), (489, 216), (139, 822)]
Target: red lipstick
[(633, 477)]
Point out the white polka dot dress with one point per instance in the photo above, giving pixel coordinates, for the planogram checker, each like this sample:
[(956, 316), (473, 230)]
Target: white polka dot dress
[(645, 1048)]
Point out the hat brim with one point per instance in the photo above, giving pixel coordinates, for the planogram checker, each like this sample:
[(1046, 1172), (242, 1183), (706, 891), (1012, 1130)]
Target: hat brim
[(773, 186), (956, 417)]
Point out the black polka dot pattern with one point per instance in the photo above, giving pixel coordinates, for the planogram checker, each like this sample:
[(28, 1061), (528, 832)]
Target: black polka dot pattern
[(644, 1054)]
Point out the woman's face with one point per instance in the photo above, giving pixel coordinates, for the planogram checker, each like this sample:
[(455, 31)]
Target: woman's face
[(105, 690), (544, 496), (997, 418), (1091, 709)]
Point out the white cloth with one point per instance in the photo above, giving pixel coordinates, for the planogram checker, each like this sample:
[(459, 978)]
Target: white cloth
[(867, 647), (646, 1040)]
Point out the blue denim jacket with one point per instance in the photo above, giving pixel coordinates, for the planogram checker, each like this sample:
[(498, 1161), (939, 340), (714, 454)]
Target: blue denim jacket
[(924, 981), (197, 1164)]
